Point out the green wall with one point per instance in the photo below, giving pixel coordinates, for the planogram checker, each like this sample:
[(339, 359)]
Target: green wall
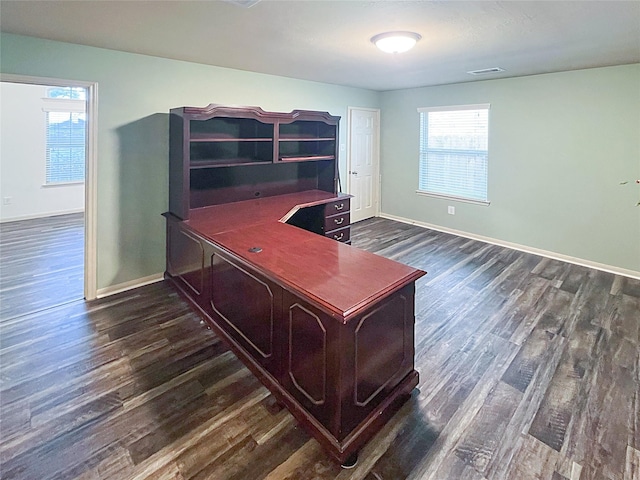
[(559, 145), (135, 93)]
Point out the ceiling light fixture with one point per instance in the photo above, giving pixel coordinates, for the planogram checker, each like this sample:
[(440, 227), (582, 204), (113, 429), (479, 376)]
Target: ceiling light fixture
[(243, 3), (395, 42)]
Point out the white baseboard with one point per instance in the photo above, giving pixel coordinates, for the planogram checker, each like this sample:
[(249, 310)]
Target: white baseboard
[(523, 248), (41, 215), (130, 285)]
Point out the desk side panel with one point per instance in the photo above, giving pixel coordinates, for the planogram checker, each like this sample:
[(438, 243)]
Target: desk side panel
[(342, 374), (186, 260), (245, 304)]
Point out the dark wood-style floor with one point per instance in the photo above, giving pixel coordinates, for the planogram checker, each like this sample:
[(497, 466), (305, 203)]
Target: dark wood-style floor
[(529, 369), (41, 263)]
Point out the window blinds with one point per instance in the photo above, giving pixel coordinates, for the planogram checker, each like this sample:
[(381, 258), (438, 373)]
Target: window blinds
[(66, 139), (66, 133), (454, 151)]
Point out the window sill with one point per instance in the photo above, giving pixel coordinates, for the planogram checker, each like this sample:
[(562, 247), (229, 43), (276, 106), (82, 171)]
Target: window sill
[(62, 184), (485, 203)]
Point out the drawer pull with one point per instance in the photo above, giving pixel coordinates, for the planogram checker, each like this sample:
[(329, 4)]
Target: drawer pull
[(339, 207), (338, 221), (338, 237)]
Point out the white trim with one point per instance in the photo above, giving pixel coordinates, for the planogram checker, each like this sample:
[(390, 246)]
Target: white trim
[(451, 108), (91, 197), (130, 285), (45, 81), (91, 179), (484, 203), (41, 215), (522, 248), (62, 184)]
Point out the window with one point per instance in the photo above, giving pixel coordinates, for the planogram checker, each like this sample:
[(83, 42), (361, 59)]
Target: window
[(66, 134), (454, 152), (75, 93)]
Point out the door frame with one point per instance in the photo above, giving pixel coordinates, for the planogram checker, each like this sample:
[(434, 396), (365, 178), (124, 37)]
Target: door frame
[(90, 175), (376, 168)]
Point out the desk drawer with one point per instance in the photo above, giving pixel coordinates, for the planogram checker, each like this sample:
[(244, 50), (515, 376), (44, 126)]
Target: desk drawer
[(342, 235), (336, 221), (337, 207)]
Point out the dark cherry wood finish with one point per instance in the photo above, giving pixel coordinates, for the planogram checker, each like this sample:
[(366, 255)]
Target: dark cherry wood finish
[(251, 244), (328, 328), (221, 154)]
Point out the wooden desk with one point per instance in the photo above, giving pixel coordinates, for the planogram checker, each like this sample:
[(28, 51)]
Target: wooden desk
[(326, 327)]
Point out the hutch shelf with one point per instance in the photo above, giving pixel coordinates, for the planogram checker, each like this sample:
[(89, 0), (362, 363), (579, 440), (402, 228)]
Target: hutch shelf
[(222, 154)]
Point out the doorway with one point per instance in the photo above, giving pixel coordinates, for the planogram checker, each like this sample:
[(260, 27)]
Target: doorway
[(363, 164), (88, 90)]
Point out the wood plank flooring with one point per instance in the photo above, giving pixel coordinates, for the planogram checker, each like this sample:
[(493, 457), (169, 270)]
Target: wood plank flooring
[(529, 369), (42, 263)]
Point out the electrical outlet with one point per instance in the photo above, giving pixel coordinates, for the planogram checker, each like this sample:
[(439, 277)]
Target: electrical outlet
[(6, 200), (451, 210)]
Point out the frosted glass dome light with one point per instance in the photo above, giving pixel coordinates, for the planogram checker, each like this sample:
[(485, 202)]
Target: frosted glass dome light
[(395, 42)]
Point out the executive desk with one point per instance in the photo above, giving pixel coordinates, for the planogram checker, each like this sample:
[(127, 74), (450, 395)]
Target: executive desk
[(326, 327)]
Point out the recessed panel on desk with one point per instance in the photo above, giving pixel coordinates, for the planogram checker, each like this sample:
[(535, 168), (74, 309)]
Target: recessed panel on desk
[(307, 362), (379, 348), (311, 359), (382, 355), (245, 303), (186, 259)]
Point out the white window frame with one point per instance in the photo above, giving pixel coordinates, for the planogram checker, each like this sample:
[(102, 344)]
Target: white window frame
[(452, 108)]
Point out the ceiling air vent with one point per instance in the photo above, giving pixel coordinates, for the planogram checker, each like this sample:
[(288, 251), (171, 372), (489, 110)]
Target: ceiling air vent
[(486, 71)]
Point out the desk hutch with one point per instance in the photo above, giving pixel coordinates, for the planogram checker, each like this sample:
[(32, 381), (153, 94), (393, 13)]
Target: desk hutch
[(258, 243)]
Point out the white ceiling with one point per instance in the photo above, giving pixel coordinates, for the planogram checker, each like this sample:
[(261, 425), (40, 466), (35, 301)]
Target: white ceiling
[(328, 40)]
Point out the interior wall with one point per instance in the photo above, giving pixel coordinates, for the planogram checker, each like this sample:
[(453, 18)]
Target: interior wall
[(135, 93), (23, 158), (559, 146)]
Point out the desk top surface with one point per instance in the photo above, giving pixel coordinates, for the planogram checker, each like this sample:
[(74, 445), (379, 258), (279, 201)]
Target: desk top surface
[(342, 279), (231, 216)]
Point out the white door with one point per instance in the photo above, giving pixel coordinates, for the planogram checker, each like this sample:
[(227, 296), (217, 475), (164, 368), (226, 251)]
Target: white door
[(363, 163)]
